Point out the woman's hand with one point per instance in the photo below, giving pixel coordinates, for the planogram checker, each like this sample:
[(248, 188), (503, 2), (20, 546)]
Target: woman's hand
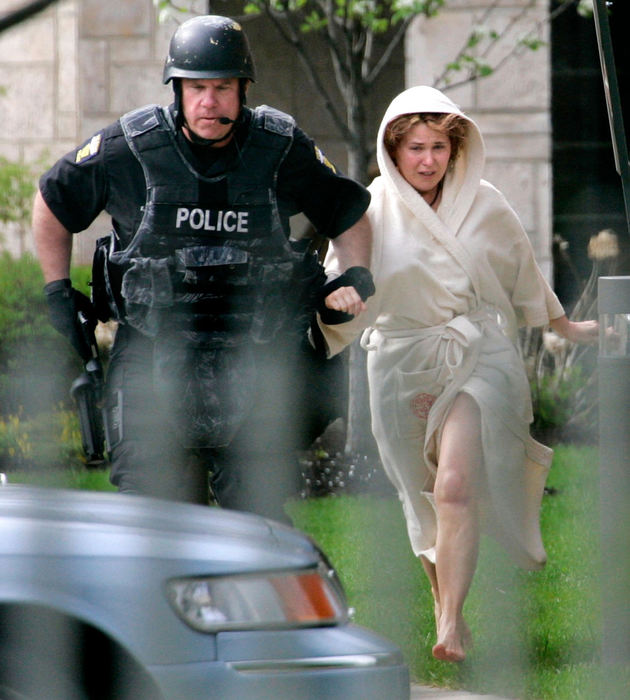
[(586, 332)]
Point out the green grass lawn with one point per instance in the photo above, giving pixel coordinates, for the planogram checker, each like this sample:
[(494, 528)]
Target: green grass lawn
[(537, 634)]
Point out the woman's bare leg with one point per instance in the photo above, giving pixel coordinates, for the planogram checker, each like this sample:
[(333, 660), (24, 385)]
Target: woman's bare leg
[(429, 568), (457, 543)]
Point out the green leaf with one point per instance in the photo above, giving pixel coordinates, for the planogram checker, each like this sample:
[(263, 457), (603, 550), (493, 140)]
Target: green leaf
[(532, 44), (474, 39)]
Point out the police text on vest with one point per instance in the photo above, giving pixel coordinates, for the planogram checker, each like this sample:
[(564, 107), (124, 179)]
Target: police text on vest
[(213, 220)]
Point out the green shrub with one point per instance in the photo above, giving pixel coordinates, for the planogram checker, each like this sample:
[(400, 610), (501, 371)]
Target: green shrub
[(563, 376), (557, 400), (15, 445), (37, 365), (17, 189), (22, 304), (50, 440)]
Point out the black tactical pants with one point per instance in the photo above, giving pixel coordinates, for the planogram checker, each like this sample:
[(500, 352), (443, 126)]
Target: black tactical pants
[(293, 399)]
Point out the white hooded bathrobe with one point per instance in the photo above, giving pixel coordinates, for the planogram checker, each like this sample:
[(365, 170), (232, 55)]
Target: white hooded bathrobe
[(452, 288)]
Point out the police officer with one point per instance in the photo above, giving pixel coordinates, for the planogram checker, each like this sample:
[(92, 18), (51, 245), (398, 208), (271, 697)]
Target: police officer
[(209, 366)]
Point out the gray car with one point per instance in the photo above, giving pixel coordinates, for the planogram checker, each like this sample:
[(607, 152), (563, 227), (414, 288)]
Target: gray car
[(119, 597)]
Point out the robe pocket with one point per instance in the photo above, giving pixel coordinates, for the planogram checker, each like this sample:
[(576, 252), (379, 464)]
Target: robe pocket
[(415, 394)]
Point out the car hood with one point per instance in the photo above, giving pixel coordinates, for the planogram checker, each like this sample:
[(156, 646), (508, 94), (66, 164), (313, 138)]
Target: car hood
[(58, 522)]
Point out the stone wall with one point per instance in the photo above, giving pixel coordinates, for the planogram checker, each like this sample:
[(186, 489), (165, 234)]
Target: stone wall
[(72, 69), (38, 95), (81, 63)]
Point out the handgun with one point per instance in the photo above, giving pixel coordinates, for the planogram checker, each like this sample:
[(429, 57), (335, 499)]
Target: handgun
[(88, 392)]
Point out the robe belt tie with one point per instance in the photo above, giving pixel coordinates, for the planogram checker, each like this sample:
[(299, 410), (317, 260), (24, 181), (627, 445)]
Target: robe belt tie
[(463, 333), (463, 342)]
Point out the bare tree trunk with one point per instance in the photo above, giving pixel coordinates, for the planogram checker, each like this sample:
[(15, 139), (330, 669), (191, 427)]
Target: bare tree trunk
[(359, 438), (358, 162), (357, 148)]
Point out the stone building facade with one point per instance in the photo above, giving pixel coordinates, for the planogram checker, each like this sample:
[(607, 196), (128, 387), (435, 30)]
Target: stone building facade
[(82, 63), (511, 106)]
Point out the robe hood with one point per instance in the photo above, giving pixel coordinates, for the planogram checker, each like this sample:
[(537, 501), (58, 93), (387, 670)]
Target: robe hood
[(462, 179)]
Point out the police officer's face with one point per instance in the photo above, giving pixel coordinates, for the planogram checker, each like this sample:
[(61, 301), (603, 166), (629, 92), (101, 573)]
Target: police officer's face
[(205, 101)]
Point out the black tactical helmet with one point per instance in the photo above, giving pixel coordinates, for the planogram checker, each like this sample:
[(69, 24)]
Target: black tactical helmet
[(209, 47)]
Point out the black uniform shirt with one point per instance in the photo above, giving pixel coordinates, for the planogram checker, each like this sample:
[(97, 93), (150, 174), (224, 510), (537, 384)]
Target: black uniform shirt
[(103, 174)]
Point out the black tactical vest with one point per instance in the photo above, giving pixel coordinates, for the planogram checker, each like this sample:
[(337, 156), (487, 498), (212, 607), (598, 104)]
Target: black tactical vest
[(203, 261), (209, 273)]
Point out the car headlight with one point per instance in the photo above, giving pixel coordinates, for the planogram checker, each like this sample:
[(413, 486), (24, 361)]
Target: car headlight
[(287, 599)]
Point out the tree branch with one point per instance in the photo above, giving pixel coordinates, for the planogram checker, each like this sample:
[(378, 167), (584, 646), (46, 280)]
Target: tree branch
[(535, 30), (462, 52), (399, 35), (29, 10), (292, 37), (513, 51), (334, 38)]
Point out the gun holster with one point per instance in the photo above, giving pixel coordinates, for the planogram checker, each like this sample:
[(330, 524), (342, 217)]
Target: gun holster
[(87, 400)]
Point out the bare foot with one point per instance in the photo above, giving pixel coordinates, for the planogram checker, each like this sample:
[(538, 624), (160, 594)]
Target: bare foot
[(453, 641), (444, 653)]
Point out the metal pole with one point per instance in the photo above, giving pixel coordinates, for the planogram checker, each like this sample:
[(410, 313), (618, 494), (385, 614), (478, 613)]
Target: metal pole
[(614, 393), (613, 304)]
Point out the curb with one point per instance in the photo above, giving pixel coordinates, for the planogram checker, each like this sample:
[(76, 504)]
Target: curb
[(425, 692)]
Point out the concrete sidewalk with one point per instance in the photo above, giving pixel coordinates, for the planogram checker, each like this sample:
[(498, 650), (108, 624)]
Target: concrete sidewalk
[(424, 692)]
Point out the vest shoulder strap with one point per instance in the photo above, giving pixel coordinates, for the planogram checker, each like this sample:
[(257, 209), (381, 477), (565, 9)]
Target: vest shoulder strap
[(273, 120), (141, 120)]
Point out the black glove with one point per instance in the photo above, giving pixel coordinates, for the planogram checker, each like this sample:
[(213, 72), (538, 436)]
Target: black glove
[(358, 277), (64, 305)]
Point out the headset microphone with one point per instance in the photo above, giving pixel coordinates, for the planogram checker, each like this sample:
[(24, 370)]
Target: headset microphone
[(200, 141)]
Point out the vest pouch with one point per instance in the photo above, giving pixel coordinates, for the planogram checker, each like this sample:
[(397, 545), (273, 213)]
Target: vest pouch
[(204, 268), (207, 390), (147, 290), (274, 301)]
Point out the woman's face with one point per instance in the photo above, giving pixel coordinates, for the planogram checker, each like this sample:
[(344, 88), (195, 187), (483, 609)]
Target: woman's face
[(422, 157)]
